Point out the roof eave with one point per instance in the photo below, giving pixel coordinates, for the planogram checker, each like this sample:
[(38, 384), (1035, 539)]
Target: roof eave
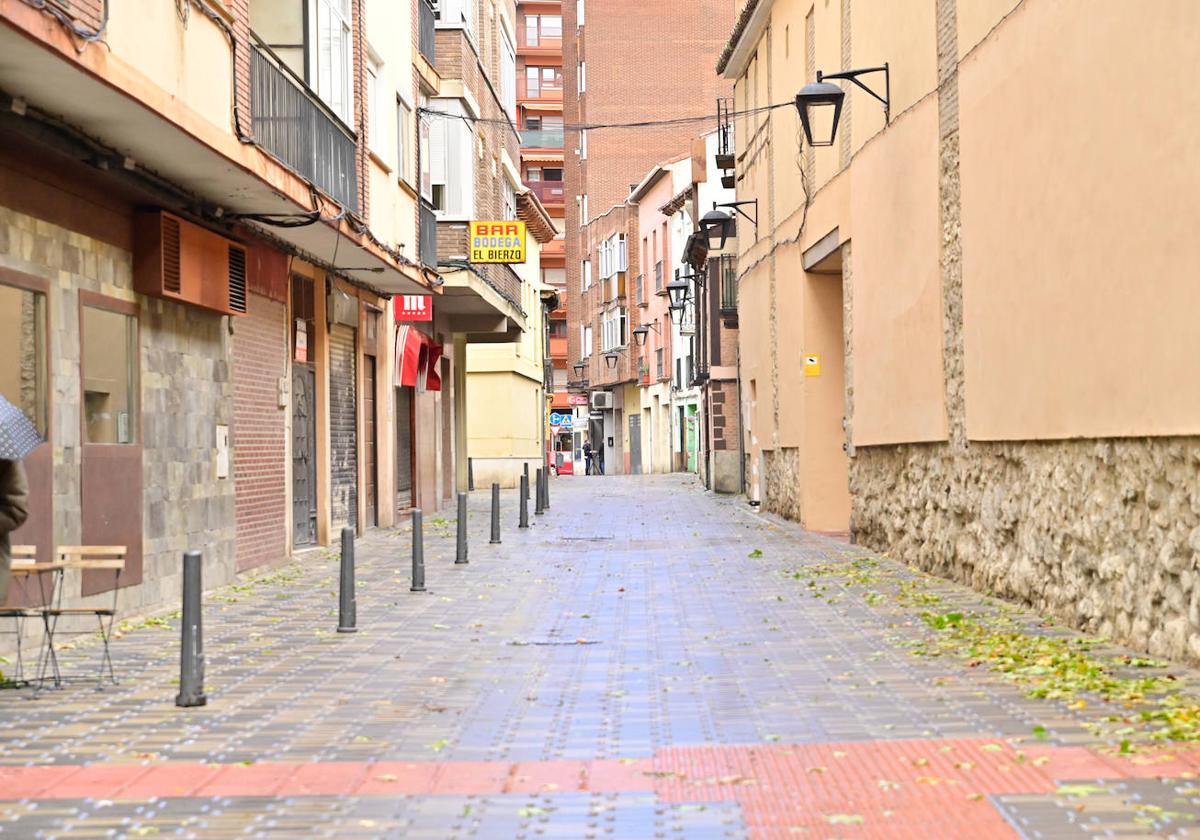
[(746, 32)]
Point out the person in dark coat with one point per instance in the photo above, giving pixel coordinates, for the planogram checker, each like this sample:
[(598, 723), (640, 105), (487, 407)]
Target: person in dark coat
[(14, 510), (587, 457)]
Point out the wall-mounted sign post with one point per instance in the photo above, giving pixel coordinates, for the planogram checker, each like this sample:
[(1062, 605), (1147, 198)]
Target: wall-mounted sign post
[(497, 242)]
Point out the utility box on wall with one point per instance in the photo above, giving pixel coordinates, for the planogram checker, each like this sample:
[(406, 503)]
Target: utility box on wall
[(177, 260)]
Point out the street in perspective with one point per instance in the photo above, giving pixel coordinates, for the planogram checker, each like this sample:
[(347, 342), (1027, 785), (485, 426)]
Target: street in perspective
[(599, 418)]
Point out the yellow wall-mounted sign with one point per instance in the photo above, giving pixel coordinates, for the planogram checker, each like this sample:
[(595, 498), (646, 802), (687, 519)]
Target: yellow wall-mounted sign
[(812, 364), (497, 242)]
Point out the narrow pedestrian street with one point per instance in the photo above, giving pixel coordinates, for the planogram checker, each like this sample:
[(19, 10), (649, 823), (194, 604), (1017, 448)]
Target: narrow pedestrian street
[(647, 660)]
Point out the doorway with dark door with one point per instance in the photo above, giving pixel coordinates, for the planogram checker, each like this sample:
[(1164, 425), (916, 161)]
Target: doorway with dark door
[(635, 444), (370, 421), (304, 416)]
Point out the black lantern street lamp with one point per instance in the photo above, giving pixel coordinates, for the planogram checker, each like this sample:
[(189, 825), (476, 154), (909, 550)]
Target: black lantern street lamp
[(610, 359), (579, 367), (814, 99), (675, 310), (640, 333), (718, 225), (678, 290)]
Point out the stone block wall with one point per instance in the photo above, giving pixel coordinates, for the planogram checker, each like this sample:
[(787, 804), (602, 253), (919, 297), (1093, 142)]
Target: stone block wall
[(185, 392)]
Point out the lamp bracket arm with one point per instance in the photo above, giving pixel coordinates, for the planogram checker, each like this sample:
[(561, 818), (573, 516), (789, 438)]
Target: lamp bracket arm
[(852, 76)]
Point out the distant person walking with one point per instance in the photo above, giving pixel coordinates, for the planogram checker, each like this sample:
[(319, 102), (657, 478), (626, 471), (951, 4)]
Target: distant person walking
[(587, 457), (18, 438)]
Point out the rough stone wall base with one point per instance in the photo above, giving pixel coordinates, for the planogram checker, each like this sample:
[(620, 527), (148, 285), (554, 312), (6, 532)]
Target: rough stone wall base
[(782, 482), (1103, 535)]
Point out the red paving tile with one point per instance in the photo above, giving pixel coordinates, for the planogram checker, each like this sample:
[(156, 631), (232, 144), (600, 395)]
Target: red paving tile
[(892, 789)]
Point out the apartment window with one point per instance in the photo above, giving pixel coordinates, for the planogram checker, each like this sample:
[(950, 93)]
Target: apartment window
[(374, 102), (614, 256), (612, 330), (552, 174), (542, 27), (533, 173), (585, 274), (424, 134), (510, 201), (452, 160), (553, 123), (403, 138), (508, 75), (583, 212), (541, 81), (333, 56), (583, 144), (455, 13), (579, 4), (108, 361), (581, 76), (23, 371), (533, 123), (587, 341)]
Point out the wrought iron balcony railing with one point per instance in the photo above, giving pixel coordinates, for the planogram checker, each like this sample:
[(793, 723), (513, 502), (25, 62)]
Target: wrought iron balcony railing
[(428, 236), (427, 33), (292, 123)]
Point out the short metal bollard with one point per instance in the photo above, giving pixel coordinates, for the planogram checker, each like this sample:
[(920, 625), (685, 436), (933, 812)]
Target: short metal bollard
[(347, 599), (460, 554), (546, 491), (418, 552), (524, 500), (525, 486), (538, 510), (191, 659), (470, 473), (495, 540)]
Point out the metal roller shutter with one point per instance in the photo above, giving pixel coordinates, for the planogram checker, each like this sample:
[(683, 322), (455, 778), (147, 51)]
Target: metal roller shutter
[(343, 428), (404, 474)]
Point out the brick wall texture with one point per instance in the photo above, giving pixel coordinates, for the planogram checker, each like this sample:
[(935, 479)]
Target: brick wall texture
[(666, 75), (259, 433)]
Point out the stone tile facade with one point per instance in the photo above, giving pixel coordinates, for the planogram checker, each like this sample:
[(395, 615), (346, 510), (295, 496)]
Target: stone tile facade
[(185, 392)]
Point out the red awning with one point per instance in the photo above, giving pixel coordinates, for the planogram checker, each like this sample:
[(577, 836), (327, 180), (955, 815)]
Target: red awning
[(417, 360)]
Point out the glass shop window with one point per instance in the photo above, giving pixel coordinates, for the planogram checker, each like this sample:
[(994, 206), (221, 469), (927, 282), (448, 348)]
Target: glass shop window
[(23, 371), (109, 366)]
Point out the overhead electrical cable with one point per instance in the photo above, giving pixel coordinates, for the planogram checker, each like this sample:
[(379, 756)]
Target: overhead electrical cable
[(504, 121)]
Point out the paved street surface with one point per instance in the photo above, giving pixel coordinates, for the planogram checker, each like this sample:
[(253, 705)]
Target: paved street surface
[(646, 661)]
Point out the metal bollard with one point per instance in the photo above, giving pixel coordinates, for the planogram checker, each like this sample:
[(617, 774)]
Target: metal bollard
[(191, 659), (347, 600), (460, 555), (546, 491), (418, 552), (524, 501), (537, 495), (470, 473), (495, 540), (525, 486)]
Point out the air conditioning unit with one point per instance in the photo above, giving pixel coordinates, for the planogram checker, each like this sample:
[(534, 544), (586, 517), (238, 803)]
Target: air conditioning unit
[(602, 400), (177, 260)]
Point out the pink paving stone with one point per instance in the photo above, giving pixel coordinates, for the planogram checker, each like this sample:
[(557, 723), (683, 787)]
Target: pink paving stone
[(171, 779), (402, 778), (333, 778), (249, 780), (34, 782), (470, 778), (546, 776), (99, 781), (620, 775)]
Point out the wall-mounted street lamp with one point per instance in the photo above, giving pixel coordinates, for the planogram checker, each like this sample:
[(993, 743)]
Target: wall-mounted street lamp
[(579, 367), (718, 225), (678, 289), (814, 99), (640, 333), (610, 359), (675, 310)]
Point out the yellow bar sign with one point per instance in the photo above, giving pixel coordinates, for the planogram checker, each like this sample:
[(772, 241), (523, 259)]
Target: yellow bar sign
[(497, 242)]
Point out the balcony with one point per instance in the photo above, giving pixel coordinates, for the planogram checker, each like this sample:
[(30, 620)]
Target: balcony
[(729, 284), (558, 347), (548, 192), (547, 138), (427, 35), (428, 236), (539, 92), (294, 125), (539, 43)]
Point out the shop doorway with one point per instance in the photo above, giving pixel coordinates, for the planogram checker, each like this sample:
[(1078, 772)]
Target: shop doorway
[(404, 449)]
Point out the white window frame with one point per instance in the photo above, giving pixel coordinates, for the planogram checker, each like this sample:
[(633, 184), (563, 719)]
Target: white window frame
[(508, 74), (579, 9), (404, 115), (583, 144), (585, 274), (587, 340), (581, 77), (333, 76), (455, 14), (375, 138), (583, 211), (452, 157)]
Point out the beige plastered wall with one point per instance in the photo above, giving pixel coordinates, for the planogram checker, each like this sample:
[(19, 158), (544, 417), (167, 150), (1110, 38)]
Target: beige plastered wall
[(1080, 290)]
